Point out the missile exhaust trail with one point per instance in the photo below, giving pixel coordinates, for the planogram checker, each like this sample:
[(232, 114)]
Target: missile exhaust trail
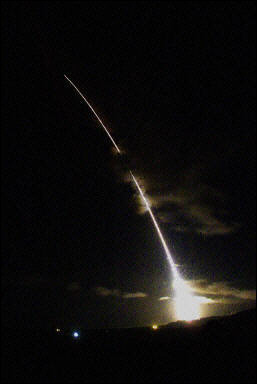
[(92, 109), (164, 244), (172, 264)]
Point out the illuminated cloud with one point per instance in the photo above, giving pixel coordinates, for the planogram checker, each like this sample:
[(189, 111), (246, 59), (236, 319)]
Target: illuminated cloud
[(222, 292), (190, 212), (208, 224), (199, 299), (216, 293), (134, 295), (190, 205), (103, 291)]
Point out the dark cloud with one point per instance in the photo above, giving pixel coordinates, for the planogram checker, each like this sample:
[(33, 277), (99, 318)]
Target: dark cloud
[(103, 291), (74, 286), (190, 205)]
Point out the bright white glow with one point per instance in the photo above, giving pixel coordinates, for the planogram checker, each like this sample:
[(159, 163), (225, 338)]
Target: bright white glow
[(187, 307), (75, 334), (155, 327), (58, 330)]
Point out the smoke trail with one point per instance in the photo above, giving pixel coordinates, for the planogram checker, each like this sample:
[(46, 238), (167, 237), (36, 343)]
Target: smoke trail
[(164, 244)]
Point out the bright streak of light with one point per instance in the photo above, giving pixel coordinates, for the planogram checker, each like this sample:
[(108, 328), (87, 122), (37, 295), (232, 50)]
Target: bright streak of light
[(173, 266), (92, 109), (169, 257), (187, 307)]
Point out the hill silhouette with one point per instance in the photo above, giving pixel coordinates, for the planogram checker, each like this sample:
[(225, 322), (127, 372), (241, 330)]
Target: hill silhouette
[(211, 350)]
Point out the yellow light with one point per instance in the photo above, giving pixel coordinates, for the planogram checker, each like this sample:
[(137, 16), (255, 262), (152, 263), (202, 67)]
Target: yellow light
[(58, 330), (155, 326)]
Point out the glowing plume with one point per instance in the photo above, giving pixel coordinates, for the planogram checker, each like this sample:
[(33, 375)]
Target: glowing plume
[(186, 305)]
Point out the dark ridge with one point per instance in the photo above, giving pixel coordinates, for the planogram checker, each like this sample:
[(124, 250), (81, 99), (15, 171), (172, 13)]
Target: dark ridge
[(217, 350)]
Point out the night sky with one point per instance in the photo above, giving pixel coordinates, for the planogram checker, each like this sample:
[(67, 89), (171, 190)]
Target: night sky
[(175, 83)]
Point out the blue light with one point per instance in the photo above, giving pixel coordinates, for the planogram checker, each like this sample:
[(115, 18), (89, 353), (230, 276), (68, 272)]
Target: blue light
[(75, 334)]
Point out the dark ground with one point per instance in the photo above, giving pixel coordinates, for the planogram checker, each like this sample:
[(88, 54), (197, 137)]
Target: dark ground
[(219, 350)]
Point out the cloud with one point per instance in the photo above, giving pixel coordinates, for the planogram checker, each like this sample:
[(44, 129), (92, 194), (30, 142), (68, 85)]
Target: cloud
[(222, 292), (74, 286), (134, 295), (190, 205), (103, 291), (208, 224), (217, 293), (206, 292)]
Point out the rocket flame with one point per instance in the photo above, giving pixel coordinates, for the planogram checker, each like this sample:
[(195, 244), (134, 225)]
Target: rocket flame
[(187, 306)]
